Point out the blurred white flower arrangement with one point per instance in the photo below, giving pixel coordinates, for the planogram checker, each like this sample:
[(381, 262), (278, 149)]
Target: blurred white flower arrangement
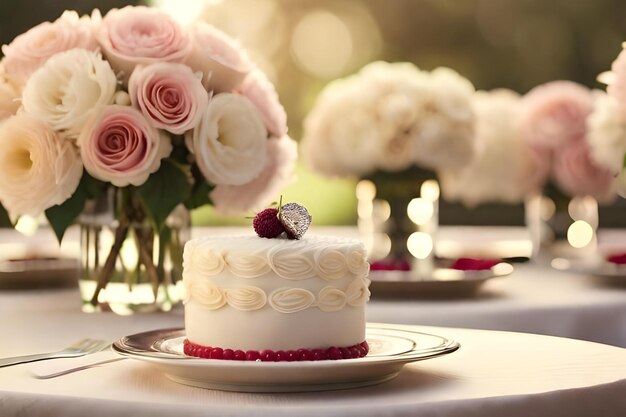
[(390, 117)]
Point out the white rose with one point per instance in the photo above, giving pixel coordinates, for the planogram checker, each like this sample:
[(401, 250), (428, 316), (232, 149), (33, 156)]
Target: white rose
[(68, 88), (256, 194), (39, 169), (341, 134), (9, 96), (444, 132), (223, 62), (506, 168), (230, 143), (607, 133), (398, 113)]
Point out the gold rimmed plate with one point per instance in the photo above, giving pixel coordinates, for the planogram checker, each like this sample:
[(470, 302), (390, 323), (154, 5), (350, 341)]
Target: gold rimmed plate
[(391, 347)]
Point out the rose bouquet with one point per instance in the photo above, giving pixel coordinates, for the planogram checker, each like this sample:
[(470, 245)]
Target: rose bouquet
[(132, 104)]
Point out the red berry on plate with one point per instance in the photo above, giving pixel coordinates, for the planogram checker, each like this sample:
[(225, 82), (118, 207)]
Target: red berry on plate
[(228, 354), (266, 224), (345, 353), (217, 353), (362, 351), (333, 353), (205, 352), (239, 355), (268, 356), (292, 355), (281, 356), (354, 352), (252, 355), (319, 355), (305, 355)]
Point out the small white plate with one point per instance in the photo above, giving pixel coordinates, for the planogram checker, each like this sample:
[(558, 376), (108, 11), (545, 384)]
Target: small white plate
[(440, 283), (391, 347), (595, 267), (38, 272)]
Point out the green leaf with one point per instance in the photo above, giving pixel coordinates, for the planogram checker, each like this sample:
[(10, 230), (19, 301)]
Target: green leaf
[(199, 191), (93, 188), (5, 220), (63, 215), (163, 191), (199, 195), (180, 153)]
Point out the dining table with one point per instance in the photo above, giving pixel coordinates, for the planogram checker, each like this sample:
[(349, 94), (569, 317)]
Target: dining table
[(494, 373), (536, 342)]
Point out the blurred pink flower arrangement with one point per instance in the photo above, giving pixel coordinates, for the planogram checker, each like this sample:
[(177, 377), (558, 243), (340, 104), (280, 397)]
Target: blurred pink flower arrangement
[(132, 100), (554, 121)]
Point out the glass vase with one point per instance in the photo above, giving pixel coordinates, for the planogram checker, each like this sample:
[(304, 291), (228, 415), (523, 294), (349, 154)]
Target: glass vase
[(127, 267), (398, 218), (558, 227)]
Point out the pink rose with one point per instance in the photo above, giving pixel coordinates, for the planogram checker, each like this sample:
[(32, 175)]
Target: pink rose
[(253, 196), (171, 96), (617, 87), (555, 113), (575, 173), (141, 35), (120, 146), (31, 49), (223, 62), (261, 92)]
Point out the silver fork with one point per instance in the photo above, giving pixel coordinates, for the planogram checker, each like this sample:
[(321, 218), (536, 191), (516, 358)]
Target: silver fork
[(80, 348)]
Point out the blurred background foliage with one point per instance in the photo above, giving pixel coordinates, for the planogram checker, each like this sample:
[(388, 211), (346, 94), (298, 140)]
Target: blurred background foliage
[(303, 44)]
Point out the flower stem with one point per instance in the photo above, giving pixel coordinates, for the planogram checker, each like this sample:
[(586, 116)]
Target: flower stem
[(146, 258), (109, 263)]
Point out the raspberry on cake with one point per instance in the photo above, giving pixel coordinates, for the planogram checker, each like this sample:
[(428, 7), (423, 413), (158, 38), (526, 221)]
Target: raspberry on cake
[(266, 224)]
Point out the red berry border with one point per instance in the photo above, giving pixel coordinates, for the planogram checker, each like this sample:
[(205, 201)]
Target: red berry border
[(332, 353)]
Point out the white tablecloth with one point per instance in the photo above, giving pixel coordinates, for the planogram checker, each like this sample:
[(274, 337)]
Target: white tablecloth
[(534, 299), (493, 374)]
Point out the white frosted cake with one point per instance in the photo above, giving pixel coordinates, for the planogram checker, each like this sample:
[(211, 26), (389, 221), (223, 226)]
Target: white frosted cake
[(275, 299)]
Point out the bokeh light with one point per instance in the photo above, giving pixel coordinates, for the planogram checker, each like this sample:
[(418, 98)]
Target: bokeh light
[(322, 44), (579, 234), (420, 210), (420, 245)]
